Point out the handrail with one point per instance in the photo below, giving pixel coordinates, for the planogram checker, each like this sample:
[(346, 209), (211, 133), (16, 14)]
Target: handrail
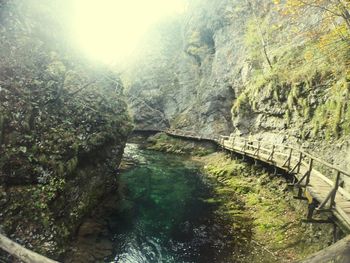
[(296, 158), (21, 252), (294, 153), (224, 137), (329, 165)]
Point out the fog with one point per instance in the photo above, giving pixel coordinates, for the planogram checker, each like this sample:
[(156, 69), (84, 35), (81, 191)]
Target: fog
[(110, 30)]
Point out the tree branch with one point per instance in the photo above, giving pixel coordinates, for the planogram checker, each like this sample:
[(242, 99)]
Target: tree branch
[(320, 7)]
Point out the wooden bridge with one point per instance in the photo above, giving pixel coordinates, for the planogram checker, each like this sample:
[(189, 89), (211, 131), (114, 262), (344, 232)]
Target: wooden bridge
[(318, 181)]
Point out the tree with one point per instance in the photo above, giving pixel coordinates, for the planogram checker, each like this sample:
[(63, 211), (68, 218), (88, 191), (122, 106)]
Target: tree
[(326, 23), (334, 11), (261, 33)]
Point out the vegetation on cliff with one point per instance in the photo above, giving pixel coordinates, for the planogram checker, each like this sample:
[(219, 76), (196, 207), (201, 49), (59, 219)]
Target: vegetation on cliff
[(61, 121), (308, 81)]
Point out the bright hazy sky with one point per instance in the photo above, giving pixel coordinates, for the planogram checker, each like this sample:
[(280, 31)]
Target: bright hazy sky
[(109, 30)]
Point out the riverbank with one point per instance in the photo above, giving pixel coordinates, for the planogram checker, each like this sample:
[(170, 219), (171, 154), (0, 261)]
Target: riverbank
[(164, 143), (250, 196)]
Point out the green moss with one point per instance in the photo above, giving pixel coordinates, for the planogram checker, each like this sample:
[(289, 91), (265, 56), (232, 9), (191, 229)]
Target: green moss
[(346, 123), (2, 120), (245, 193), (241, 104), (75, 148), (297, 72), (71, 165), (43, 159), (60, 169), (290, 101), (165, 143)]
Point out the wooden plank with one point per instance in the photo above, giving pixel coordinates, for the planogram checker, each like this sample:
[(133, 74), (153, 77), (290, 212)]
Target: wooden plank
[(343, 203), (21, 252), (338, 252), (346, 210)]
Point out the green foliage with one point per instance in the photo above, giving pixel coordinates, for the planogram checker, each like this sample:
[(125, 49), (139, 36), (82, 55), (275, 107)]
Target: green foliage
[(331, 119), (72, 165), (242, 104), (317, 65), (253, 42), (2, 120), (44, 129), (46, 193), (199, 44)]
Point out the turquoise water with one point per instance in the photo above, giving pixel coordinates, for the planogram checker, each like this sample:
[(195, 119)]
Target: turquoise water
[(163, 216), (158, 215)]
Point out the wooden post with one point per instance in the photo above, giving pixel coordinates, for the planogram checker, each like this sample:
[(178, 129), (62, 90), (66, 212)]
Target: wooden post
[(299, 162), (272, 153), (336, 186), (245, 146), (309, 172), (306, 176), (290, 157), (257, 150), (287, 162)]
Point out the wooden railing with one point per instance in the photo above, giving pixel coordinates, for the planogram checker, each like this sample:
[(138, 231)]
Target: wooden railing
[(292, 160), (21, 252), (323, 179)]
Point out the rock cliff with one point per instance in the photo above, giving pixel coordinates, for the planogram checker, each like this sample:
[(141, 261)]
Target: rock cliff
[(182, 78), (63, 128), (272, 70)]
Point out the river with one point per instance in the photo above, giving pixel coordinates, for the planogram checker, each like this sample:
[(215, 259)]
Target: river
[(159, 214)]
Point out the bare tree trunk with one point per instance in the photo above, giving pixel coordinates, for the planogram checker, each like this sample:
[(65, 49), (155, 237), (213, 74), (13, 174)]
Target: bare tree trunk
[(263, 42)]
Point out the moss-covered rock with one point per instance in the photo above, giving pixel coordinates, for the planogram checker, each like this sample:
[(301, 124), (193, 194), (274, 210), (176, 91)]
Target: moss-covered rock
[(165, 143), (63, 127)]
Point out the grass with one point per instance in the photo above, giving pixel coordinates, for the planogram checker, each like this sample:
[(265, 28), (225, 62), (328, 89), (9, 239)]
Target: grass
[(272, 217)]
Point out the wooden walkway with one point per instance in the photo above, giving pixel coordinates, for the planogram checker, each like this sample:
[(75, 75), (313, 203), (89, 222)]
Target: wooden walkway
[(317, 180)]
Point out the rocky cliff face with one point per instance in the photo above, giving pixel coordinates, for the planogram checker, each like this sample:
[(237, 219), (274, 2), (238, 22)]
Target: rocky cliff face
[(185, 79), (249, 68), (63, 128)]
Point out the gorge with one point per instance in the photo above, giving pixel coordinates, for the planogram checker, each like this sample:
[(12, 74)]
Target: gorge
[(273, 71)]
